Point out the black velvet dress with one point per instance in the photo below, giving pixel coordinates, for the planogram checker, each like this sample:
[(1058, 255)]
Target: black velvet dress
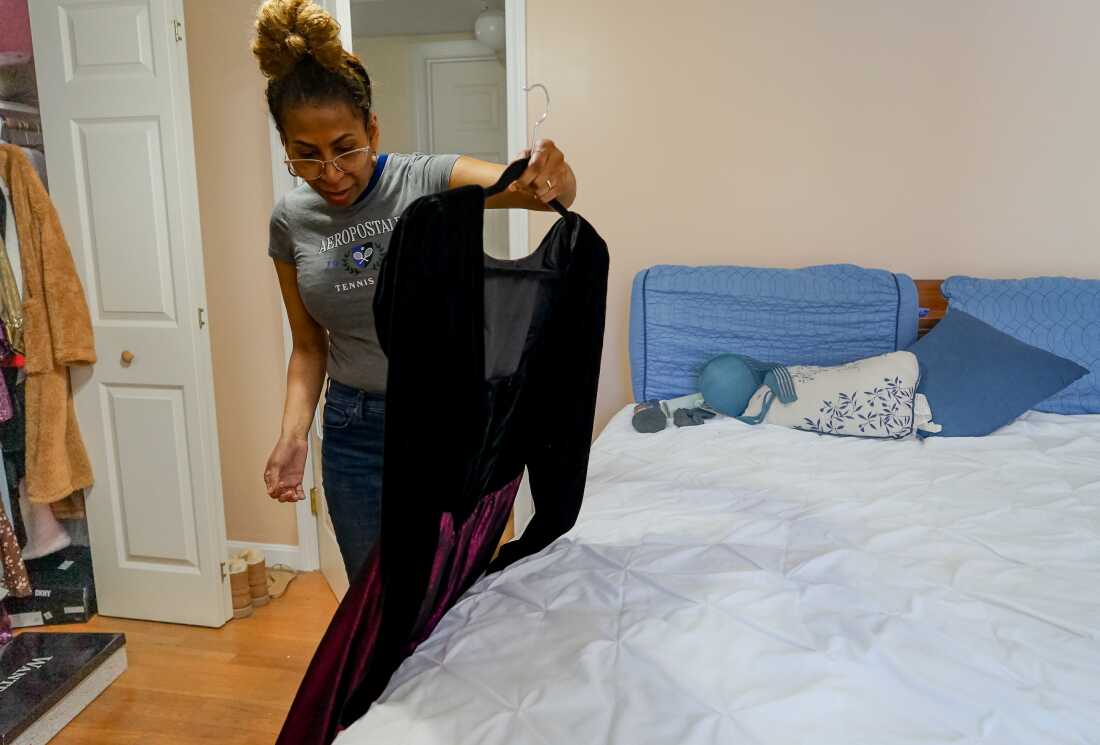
[(493, 368)]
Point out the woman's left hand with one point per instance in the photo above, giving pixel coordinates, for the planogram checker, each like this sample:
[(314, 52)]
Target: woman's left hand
[(548, 176)]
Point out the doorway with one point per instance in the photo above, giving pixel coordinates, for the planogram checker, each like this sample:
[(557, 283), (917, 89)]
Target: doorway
[(445, 79)]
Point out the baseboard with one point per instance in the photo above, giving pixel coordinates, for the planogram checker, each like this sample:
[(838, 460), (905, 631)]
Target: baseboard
[(275, 553)]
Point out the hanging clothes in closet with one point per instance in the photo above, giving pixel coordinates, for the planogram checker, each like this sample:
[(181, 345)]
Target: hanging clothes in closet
[(12, 432), (513, 347), (28, 135), (57, 334), (13, 570), (11, 287), (15, 577), (11, 303)]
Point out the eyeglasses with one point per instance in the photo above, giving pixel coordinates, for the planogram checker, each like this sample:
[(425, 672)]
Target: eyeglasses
[(311, 169)]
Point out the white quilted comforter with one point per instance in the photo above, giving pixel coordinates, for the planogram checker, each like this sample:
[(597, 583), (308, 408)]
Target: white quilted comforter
[(729, 584)]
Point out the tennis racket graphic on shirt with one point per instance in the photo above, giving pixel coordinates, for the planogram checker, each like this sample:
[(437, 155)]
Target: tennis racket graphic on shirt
[(358, 258)]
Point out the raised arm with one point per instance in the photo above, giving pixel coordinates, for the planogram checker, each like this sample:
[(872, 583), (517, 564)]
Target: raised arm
[(548, 177)]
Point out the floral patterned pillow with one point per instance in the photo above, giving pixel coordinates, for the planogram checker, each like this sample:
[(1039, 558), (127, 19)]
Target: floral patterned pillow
[(874, 397)]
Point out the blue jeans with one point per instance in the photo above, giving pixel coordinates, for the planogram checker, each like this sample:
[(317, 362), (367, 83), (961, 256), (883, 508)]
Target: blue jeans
[(351, 465)]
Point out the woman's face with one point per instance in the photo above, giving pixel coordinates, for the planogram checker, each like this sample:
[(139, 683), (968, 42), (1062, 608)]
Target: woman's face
[(323, 132)]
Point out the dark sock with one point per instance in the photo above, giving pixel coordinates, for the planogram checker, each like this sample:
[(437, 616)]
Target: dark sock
[(649, 417), (691, 417)]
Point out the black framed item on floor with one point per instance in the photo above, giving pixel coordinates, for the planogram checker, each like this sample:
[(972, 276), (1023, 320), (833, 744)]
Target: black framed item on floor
[(47, 679)]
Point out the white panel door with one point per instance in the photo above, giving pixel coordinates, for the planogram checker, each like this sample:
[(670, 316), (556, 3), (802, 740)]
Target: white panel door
[(469, 116), (330, 559), (468, 108), (116, 115), (462, 106)]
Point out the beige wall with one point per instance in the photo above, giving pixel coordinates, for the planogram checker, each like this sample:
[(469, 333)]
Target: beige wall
[(234, 175), (929, 138), (925, 137), (387, 59)]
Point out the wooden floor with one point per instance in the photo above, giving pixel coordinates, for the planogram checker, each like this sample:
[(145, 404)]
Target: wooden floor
[(186, 685)]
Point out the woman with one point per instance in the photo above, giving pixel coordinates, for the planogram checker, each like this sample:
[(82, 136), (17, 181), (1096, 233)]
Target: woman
[(328, 237)]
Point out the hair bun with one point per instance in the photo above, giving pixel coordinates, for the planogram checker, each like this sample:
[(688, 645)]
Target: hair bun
[(288, 30)]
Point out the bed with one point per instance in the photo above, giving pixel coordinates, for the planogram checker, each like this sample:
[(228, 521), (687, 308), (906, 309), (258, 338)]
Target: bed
[(737, 584)]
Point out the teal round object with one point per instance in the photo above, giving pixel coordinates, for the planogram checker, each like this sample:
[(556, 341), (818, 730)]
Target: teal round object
[(727, 383)]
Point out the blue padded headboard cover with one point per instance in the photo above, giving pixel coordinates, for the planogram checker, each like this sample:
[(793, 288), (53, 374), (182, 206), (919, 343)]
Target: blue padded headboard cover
[(681, 317)]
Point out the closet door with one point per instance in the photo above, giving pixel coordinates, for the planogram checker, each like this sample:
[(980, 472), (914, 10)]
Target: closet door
[(116, 116)]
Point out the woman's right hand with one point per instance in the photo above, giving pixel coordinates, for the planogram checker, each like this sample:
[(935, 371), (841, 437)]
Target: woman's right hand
[(285, 469)]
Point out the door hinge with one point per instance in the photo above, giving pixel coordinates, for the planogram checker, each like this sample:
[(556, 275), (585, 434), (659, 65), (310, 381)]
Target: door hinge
[(177, 27), (202, 318), (314, 498), (225, 570)]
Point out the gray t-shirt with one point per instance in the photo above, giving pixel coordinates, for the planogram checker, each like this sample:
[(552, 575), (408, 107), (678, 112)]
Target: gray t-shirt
[(338, 251)]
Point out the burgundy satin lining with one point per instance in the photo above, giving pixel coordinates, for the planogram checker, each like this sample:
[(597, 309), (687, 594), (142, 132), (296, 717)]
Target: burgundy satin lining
[(345, 653), (460, 555)]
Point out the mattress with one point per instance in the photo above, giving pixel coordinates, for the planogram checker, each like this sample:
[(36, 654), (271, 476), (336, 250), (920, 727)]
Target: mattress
[(736, 584)]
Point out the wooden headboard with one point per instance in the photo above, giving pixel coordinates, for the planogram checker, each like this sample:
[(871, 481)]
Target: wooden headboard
[(930, 298)]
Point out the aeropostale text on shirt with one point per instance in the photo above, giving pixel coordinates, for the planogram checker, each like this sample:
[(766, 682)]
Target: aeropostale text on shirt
[(360, 231)]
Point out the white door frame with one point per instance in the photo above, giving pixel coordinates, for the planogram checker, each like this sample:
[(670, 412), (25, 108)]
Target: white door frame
[(309, 556), (515, 28), (515, 76)]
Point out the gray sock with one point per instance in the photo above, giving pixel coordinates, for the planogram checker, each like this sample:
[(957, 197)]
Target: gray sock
[(691, 417)]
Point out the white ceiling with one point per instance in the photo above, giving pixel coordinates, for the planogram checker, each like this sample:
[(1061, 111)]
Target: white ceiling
[(391, 17)]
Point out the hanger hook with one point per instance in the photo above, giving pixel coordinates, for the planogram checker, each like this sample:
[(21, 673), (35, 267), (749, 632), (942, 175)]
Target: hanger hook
[(545, 113)]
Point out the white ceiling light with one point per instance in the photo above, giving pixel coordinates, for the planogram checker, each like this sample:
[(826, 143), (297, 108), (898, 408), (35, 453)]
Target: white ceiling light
[(489, 29)]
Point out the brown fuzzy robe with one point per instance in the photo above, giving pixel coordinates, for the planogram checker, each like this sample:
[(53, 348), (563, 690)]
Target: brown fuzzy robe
[(57, 331)]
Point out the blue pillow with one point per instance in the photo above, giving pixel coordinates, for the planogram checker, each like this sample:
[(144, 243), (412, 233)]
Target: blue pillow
[(1058, 314), (978, 379)]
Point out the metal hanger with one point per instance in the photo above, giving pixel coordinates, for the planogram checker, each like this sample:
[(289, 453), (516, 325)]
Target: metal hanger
[(545, 113), (516, 169)]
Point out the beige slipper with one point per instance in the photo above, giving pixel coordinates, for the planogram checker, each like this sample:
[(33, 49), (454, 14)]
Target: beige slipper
[(238, 585), (257, 575), (279, 578)]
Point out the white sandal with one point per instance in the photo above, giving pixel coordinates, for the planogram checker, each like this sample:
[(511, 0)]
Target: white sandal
[(279, 577)]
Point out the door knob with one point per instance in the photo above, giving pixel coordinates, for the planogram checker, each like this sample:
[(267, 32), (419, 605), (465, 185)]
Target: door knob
[(127, 357)]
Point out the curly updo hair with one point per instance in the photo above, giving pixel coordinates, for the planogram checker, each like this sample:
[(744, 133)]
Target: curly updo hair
[(298, 47)]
